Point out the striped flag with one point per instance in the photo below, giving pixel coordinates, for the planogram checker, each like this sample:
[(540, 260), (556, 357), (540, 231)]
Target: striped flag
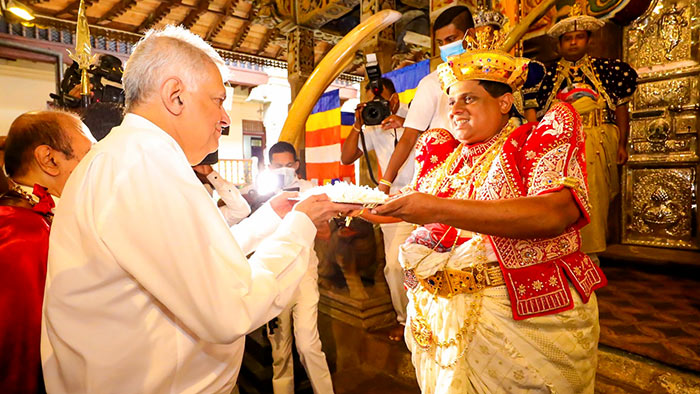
[(324, 136), (406, 79)]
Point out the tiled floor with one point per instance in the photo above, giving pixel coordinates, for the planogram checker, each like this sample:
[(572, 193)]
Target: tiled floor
[(652, 311)]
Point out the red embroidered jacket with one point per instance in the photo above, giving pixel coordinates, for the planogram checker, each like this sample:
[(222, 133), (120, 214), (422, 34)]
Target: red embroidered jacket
[(535, 159)]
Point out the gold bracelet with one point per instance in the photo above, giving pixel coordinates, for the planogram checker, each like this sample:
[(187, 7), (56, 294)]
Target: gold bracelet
[(385, 182)]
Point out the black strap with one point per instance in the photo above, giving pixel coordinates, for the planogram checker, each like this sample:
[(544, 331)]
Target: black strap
[(369, 165)]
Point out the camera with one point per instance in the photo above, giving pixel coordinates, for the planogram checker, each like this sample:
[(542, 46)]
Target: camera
[(378, 109), (105, 78)]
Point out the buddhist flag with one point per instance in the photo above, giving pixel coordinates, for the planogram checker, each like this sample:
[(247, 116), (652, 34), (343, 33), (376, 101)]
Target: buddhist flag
[(324, 136), (406, 79)]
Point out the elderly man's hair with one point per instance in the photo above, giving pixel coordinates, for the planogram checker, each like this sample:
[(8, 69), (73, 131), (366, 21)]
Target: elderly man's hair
[(173, 47), (33, 129)]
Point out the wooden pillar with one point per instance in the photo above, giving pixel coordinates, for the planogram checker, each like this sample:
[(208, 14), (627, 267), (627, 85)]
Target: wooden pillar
[(300, 65)]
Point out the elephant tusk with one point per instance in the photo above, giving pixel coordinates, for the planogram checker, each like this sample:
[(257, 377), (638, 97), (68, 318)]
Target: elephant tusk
[(328, 70)]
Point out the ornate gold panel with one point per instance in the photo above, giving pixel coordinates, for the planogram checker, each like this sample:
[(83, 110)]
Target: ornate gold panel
[(667, 138), (661, 94), (666, 33), (660, 207)]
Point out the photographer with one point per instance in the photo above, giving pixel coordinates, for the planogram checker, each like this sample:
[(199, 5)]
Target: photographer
[(383, 139)]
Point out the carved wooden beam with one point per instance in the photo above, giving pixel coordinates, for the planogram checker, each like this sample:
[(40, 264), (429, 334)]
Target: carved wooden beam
[(242, 33), (194, 15), (221, 20), (316, 13), (157, 15), (266, 40), (117, 10), (73, 6)]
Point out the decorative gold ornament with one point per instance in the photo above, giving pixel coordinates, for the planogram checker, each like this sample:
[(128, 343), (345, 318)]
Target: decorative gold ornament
[(576, 21), (483, 60)]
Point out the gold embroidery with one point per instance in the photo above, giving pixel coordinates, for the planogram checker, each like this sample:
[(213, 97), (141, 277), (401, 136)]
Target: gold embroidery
[(537, 285)]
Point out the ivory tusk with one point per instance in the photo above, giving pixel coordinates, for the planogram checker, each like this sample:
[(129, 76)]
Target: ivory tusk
[(521, 28), (328, 70)]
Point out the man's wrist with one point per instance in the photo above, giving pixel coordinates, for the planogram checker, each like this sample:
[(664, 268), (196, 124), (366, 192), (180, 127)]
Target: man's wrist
[(385, 182)]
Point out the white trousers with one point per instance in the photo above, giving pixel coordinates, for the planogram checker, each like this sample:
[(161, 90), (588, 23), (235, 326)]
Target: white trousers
[(395, 235), (303, 311)]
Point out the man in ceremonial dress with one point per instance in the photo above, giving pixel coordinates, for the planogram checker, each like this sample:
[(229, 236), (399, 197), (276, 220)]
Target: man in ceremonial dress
[(600, 90), (148, 290), (42, 150), (500, 297)]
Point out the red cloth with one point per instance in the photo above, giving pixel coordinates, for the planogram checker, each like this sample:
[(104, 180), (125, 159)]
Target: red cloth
[(24, 244)]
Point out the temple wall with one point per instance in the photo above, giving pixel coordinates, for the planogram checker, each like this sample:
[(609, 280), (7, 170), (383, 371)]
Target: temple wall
[(24, 86)]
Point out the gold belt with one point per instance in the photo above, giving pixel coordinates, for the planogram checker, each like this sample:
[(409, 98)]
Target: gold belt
[(448, 283), (595, 118)]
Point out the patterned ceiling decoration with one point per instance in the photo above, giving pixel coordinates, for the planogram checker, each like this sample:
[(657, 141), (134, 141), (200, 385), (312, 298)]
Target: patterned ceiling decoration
[(256, 28)]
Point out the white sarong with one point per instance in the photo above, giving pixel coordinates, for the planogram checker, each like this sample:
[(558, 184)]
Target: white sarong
[(491, 352)]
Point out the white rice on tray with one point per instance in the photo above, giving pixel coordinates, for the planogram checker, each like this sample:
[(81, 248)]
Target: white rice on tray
[(348, 193)]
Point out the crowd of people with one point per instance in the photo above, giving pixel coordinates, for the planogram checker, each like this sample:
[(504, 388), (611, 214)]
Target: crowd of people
[(124, 275)]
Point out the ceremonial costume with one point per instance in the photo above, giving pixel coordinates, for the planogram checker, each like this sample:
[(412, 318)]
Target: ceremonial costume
[(148, 290), (301, 318), (490, 314), (596, 87), (25, 219)]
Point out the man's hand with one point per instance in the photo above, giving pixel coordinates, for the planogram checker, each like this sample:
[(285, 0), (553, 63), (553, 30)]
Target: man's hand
[(204, 169), (392, 122), (281, 204), (412, 207), (384, 188), (320, 210), (358, 116), (621, 155)]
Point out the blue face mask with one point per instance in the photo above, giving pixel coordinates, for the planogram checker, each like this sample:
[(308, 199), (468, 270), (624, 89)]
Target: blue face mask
[(451, 49)]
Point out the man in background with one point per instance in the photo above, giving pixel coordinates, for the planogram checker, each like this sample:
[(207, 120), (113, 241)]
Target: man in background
[(383, 139), (302, 311), (41, 151)]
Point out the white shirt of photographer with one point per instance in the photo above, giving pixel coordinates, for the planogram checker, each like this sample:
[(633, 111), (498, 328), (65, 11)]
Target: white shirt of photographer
[(148, 290), (383, 143), (430, 107)]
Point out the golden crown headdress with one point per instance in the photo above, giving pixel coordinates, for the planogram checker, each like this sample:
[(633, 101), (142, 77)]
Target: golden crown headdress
[(577, 20), (483, 59)]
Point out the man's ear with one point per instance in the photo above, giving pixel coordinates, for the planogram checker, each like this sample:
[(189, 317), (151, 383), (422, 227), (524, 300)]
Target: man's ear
[(505, 103), (296, 166), (45, 158), (171, 94)]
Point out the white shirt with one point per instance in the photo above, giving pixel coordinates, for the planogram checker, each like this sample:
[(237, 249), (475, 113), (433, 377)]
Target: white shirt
[(236, 208), (430, 106), (383, 143), (148, 291)]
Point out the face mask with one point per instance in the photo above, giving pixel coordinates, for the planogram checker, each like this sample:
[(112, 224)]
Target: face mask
[(451, 49)]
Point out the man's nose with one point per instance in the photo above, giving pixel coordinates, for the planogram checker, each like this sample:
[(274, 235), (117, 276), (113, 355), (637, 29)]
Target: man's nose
[(225, 120)]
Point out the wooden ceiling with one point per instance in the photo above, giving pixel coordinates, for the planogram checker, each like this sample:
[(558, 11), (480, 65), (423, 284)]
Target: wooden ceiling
[(233, 25)]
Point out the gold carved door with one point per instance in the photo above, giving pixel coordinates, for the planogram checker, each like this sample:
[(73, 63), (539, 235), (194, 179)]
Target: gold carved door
[(660, 180)]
